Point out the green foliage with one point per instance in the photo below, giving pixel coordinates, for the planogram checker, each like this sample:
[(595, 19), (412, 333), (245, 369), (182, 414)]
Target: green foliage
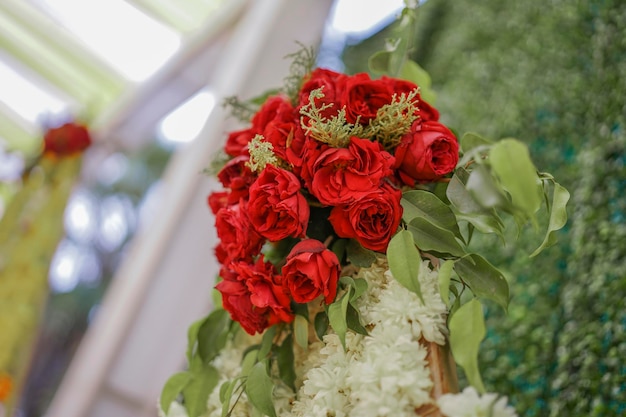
[(205, 337), (259, 387), (302, 63), (261, 154), (467, 330), (404, 261), (484, 279), (553, 75)]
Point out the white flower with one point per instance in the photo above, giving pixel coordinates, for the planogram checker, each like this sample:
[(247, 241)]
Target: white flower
[(176, 410), (470, 404), (386, 372)]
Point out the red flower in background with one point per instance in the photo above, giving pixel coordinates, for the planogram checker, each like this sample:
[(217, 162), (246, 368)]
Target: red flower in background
[(277, 209), (342, 175), (67, 139), (311, 270), (254, 296), (371, 220), (429, 151)]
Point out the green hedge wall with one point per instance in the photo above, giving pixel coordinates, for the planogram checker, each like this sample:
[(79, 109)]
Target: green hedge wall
[(553, 74)]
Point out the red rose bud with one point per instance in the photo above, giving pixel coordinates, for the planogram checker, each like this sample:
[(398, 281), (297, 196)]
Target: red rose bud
[(372, 220), (67, 139), (342, 175), (311, 270), (276, 207), (429, 151)]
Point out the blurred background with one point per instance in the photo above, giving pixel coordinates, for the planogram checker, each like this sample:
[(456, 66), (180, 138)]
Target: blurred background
[(135, 266)]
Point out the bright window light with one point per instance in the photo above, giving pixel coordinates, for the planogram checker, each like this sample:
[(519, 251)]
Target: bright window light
[(185, 123), (132, 42), (357, 16), (27, 99)]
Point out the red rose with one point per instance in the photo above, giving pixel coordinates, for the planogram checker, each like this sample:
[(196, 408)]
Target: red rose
[(363, 97), (67, 139), (342, 175), (331, 83), (237, 142), (311, 270), (217, 200), (274, 107), (372, 220), (276, 207), (281, 130), (311, 150), (254, 296), (238, 177), (426, 112), (296, 145), (238, 240), (429, 151)]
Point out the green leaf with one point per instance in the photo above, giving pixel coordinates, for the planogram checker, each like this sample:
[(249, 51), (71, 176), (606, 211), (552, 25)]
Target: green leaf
[(192, 337), (212, 334), (339, 248), (266, 343), (250, 358), (353, 319), (430, 237), (404, 261), (174, 385), (485, 280), (357, 286), (226, 393), (485, 220), (301, 330), (424, 204), (511, 163), (197, 391), (485, 190), (300, 309), (467, 330), (457, 301), (337, 317), (358, 255), (259, 387), (444, 275), (285, 361), (470, 141), (411, 71), (321, 324), (558, 217)]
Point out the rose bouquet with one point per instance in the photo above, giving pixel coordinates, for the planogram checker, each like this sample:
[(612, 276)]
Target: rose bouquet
[(344, 228)]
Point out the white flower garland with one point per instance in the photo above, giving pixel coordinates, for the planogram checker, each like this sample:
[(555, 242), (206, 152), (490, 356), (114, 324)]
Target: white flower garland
[(382, 374)]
